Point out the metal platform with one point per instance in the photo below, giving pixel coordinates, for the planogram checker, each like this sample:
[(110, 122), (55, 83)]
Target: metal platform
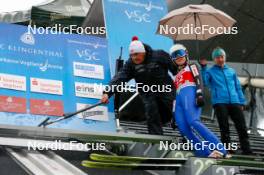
[(63, 134), (135, 141)]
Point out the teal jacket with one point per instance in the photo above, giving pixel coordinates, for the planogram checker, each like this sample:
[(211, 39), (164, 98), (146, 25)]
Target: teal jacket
[(223, 84)]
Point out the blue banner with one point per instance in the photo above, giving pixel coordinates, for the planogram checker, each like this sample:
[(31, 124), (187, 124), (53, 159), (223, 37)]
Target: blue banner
[(127, 18), (48, 75)]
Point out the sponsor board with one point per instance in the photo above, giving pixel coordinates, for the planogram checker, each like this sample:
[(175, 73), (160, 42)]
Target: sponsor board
[(97, 113), (140, 18), (13, 104), (15, 82), (88, 90), (46, 86), (46, 107), (49, 75), (88, 70)]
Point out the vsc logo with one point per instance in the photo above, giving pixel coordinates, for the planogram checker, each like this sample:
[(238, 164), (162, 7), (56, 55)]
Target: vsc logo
[(28, 38), (137, 16), (87, 54)]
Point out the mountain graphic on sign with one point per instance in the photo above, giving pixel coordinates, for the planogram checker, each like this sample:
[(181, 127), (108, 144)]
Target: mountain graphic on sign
[(46, 103), (28, 38), (9, 100)]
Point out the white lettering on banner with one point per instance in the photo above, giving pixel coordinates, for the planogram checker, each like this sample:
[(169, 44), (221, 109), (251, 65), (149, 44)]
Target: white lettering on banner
[(88, 70), (97, 113), (97, 45), (32, 51), (42, 66), (46, 86), (87, 90), (94, 45), (87, 54), (138, 16), (14, 82), (148, 6)]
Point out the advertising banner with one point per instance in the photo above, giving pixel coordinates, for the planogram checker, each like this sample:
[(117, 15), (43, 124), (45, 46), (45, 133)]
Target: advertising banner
[(51, 74), (127, 18)]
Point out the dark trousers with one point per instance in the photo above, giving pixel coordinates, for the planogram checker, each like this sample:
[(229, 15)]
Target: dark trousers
[(158, 110), (222, 112)]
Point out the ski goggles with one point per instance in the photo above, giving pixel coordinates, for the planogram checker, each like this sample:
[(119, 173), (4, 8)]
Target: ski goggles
[(178, 54)]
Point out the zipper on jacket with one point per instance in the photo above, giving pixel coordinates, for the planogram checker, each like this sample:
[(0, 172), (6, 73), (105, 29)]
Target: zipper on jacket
[(226, 85)]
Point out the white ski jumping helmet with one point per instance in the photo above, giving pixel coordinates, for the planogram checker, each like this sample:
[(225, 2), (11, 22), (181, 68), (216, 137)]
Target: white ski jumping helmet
[(177, 51)]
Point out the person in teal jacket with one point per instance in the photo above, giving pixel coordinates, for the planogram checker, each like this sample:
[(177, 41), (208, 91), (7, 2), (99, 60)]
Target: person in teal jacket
[(226, 96)]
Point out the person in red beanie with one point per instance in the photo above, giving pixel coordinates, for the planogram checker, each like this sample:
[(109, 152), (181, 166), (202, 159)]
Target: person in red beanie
[(149, 68)]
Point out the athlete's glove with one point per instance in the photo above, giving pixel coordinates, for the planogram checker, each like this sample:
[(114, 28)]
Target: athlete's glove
[(199, 98)]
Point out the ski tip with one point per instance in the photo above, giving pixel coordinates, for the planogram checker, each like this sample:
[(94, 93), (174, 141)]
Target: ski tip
[(103, 165)]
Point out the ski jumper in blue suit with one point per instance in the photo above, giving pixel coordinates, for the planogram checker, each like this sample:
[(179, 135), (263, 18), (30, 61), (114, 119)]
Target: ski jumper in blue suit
[(187, 114)]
